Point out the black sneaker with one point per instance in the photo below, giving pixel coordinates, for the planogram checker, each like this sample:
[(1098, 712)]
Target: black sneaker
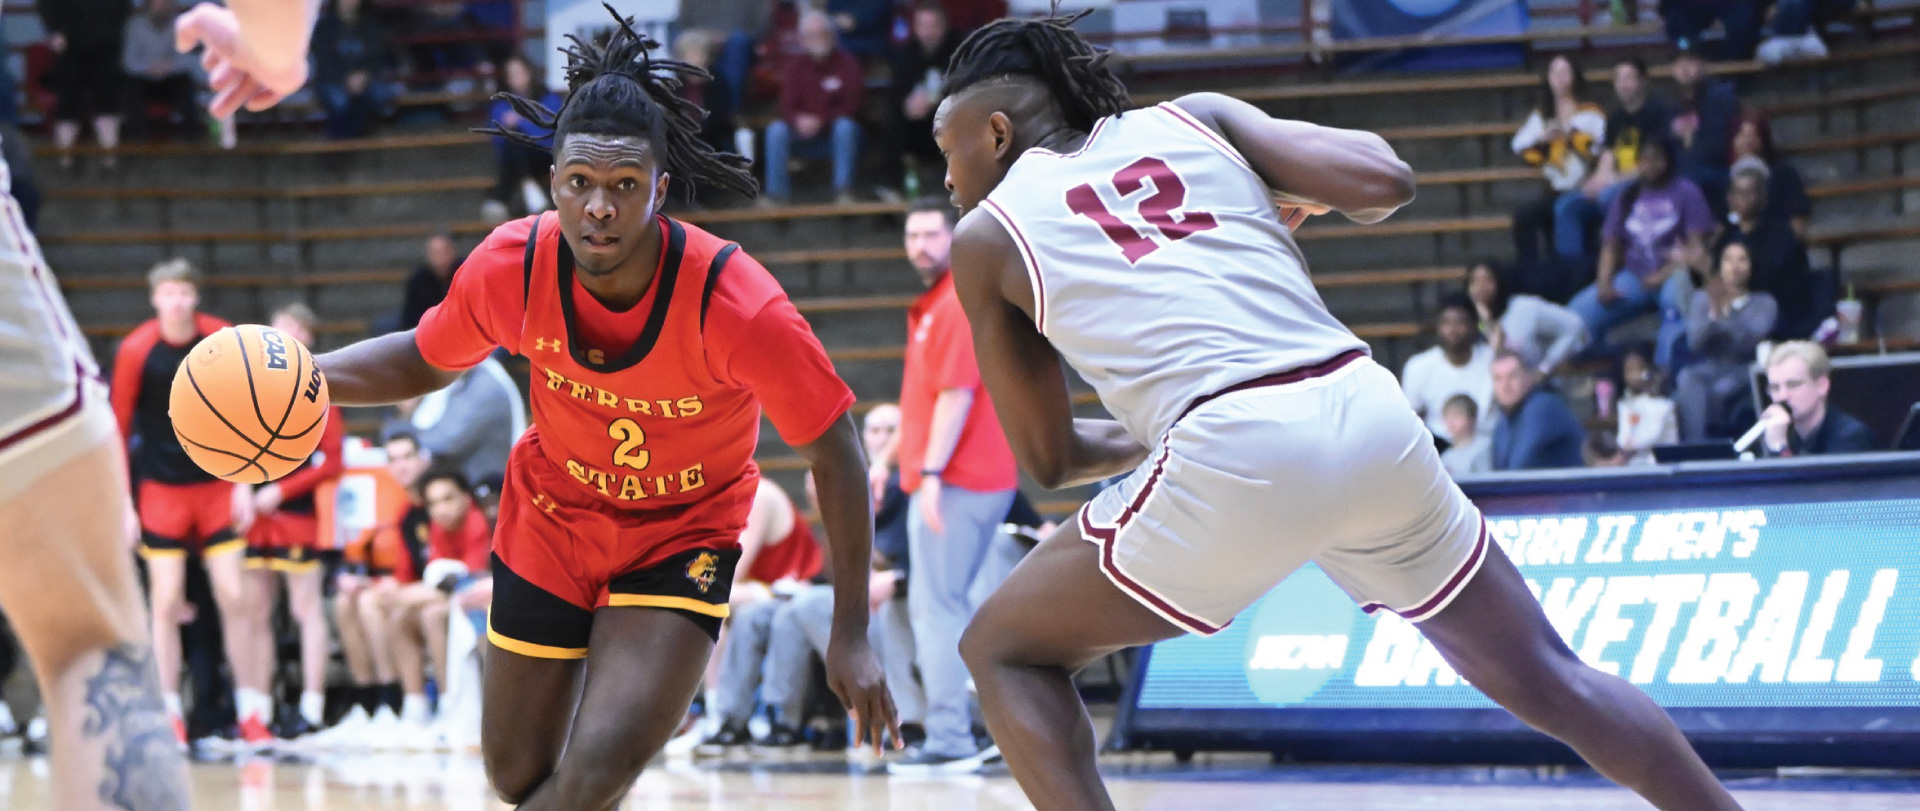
[(927, 764), (912, 735), (732, 735), (780, 739)]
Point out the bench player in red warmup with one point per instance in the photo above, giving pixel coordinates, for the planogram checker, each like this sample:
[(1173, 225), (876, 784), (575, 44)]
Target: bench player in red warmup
[(1147, 250), (654, 348)]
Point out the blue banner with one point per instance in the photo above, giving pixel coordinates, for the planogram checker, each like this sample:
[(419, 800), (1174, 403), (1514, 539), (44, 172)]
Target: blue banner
[(1779, 605)]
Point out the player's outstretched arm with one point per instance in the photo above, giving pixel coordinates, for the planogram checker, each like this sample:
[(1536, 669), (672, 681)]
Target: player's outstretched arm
[(1350, 171), (1023, 372), (381, 371), (256, 50), (854, 674)]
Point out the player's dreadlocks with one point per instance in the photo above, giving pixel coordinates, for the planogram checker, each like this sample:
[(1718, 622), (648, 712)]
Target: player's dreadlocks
[(619, 88), (1046, 49)]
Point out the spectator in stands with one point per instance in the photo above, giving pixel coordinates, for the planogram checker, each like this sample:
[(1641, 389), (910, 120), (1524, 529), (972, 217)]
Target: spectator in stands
[(471, 425), (446, 46), (1563, 137), (956, 463), (1470, 450), (523, 170), (1725, 321), (1542, 333), (778, 556), (1535, 429), (283, 540), (733, 27), (967, 15), (459, 542), (865, 26), (378, 564), (1786, 191), (1777, 258), (1646, 416), (1792, 34), (1458, 363), (1703, 121), (352, 62), (821, 95), (1800, 422), (919, 70), (1686, 20), (158, 74), (1636, 118), (86, 37), (696, 47), (1656, 231), (427, 285)]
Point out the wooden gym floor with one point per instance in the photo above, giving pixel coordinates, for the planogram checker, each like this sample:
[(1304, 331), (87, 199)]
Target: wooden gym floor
[(1220, 783)]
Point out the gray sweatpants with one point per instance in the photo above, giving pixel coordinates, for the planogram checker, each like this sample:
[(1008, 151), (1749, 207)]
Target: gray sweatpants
[(801, 630), (741, 658), (941, 599)]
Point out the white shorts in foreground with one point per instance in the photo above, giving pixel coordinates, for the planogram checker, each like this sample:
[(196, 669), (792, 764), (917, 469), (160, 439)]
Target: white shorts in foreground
[(1324, 464)]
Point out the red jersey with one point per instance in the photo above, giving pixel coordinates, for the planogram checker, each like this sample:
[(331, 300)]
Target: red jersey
[(795, 557), (940, 357), (143, 370), (653, 408), (471, 544)]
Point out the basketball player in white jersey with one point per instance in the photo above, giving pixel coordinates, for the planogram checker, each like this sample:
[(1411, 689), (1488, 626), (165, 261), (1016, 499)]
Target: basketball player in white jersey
[(66, 536), (1147, 250)]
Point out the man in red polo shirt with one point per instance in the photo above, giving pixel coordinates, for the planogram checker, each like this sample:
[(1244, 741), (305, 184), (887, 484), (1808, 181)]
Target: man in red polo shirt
[(955, 462)]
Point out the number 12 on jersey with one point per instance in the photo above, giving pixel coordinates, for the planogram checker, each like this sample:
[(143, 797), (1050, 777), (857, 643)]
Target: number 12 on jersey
[(1169, 194)]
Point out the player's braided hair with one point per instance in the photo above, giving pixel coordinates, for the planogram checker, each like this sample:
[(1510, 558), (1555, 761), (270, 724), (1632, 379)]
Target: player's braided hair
[(620, 88), (1046, 49)]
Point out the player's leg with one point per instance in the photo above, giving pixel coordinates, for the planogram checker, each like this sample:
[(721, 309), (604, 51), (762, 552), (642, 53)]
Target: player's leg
[(643, 668), (226, 570), (305, 604), (1054, 615), (166, 598), (1496, 636), (536, 650), (251, 626), (407, 647), (71, 594), (433, 632)]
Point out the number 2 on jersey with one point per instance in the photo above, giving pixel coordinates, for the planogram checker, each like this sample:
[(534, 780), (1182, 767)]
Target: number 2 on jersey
[(629, 453), (1169, 193)]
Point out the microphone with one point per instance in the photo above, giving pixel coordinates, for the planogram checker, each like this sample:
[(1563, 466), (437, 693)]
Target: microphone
[(1753, 434)]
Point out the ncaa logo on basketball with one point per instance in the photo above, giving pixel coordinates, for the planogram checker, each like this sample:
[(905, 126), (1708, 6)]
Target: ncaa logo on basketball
[(275, 345)]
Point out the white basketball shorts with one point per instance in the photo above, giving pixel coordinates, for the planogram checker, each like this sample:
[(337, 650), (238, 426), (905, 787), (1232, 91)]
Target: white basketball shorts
[(1324, 463)]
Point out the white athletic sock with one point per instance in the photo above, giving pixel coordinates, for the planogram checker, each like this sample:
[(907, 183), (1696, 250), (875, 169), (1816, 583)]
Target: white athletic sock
[(172, 700), (413, 709), (313, 707), (251, 703)]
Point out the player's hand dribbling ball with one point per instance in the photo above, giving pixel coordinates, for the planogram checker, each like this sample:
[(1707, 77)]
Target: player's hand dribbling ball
[(248, 404)]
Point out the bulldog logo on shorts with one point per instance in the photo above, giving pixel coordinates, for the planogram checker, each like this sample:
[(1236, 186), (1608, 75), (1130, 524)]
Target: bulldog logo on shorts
[(703, 569)]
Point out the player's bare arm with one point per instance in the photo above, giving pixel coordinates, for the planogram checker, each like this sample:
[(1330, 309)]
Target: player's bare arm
[(256, 50), (1350, 171), (840, 477), (1023, 372), (381, 371)]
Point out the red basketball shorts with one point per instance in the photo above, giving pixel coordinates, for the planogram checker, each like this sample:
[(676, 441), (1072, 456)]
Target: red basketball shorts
[(175, 518), (560, 554), (284, 542)]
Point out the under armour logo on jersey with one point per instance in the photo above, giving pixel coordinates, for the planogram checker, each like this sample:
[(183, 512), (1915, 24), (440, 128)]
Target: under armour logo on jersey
[(545, 504), (544, 345)]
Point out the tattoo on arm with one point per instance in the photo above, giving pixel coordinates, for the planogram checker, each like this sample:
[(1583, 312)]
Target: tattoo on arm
[(144, 770)]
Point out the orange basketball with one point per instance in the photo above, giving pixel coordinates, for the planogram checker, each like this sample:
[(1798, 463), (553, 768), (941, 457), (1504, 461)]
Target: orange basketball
[(248, 404)]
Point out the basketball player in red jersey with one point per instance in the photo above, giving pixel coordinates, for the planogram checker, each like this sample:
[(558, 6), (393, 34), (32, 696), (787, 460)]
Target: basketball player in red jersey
[(1145, 248), (281, 541), (183, 509), (654, 349)]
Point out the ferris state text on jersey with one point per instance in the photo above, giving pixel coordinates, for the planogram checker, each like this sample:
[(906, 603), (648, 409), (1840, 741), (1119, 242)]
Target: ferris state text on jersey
[(628, 437)]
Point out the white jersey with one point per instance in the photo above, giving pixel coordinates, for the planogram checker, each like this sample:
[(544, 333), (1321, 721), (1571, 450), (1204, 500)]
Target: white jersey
[(1160, 268), (51, 402)]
